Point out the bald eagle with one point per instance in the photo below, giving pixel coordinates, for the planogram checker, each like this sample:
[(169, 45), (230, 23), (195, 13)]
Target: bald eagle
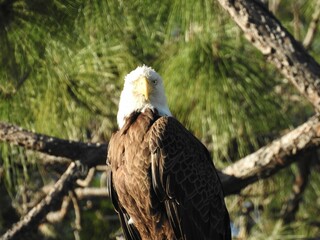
[(162, 182)]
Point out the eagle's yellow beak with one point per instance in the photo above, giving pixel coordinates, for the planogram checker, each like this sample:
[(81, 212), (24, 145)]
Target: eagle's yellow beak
[(145, 87)]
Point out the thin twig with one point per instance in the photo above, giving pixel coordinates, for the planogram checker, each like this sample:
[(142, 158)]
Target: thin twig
[(77, 213), (102, 168), (93, 192), (313, 26), (57, 216), (85, 182)]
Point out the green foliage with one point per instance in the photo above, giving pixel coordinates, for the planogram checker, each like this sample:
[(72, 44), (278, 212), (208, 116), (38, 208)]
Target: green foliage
[(62, 69), (217, 85)]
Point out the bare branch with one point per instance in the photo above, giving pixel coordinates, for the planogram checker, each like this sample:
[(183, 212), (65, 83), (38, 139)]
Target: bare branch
[(93, 192), (77, 213), (80, 193), (268, 35), (57, 216), (270, 159), (85, 182), (36, 214), (50, 160), (90, 154), (85, 193)]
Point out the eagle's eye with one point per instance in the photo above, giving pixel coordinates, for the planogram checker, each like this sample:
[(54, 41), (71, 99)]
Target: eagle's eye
[(154, 81)]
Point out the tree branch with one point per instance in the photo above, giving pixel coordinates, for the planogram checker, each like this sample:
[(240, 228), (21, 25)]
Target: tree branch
[(261, 164), (92, 192), (268, 35), (270, 159), (57, 216), (90, 154), (36, 214)]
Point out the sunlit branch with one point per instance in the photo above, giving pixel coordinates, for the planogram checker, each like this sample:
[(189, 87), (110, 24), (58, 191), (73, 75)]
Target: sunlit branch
[(267, 34), (269, 159)]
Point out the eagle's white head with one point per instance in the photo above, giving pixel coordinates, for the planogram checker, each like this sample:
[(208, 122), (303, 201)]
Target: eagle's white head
[(143, 88)]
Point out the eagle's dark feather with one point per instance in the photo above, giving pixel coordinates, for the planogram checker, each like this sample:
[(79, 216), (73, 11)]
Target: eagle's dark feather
[(164, 180), (129, 230)]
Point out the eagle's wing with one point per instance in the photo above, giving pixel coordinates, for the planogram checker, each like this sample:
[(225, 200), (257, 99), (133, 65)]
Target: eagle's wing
[(129, 230), (185, 180)]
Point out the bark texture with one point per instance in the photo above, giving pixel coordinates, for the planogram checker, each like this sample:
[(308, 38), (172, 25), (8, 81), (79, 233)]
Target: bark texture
[(268, 35), (90, 154), (273, 157)]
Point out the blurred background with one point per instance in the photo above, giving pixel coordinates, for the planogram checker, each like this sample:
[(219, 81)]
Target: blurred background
[(62, 68)]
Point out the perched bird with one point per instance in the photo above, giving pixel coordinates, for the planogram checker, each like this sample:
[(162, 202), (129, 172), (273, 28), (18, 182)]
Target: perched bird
[(162, 182)]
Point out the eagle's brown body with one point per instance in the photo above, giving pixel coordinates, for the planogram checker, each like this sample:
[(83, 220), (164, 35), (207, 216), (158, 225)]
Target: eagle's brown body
[(163, 182)]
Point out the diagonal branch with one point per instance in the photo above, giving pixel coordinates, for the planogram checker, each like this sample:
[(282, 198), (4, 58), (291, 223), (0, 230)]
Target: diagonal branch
[(36, 214), (268, 35), (269, 159)]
